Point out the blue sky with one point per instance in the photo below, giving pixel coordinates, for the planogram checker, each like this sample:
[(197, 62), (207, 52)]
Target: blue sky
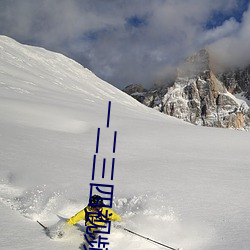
[(218, 17), (131, 41)]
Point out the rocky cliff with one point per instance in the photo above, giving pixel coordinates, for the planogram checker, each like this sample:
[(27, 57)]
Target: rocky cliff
[(200, 96)]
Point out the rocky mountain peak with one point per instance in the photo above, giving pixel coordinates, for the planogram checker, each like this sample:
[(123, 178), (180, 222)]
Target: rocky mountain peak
[(200, 96), (196, 64)]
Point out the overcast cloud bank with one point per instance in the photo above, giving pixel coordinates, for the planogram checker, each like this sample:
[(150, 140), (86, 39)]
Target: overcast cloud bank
[(133, 41)]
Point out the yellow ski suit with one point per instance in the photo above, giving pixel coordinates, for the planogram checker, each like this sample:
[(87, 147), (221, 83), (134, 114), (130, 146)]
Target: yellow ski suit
[(89, 216)]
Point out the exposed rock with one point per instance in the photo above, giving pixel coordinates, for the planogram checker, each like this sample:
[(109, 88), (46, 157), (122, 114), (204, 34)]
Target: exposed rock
[(200, 97), (133, 88), (137, 91), (237, 81)]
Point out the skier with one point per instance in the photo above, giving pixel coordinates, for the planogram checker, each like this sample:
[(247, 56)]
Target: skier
[(95, 215)]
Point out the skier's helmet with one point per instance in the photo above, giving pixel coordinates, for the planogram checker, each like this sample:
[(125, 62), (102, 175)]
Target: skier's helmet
[(96, 201)]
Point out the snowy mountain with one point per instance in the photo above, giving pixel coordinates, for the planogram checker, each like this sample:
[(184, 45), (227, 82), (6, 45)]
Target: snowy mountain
[(201, 96), (237, 81), (182, 185)]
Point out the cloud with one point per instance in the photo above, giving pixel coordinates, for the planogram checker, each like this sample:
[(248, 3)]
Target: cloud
[(232, 50), (228, 28), (121, 41)]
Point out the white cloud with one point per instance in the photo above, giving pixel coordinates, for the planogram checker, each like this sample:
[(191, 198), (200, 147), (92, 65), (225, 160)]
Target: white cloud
[(233, 50), (97, 32), (228, 28)]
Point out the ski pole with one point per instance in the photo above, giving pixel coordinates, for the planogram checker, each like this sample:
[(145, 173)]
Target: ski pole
[(150, 239), (45, 228)]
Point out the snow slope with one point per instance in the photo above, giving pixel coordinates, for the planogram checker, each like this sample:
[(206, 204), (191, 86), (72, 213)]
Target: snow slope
[(182, 185)]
